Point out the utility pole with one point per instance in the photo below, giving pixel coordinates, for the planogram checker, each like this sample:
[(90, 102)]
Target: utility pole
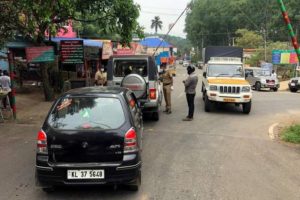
[(265, 43)]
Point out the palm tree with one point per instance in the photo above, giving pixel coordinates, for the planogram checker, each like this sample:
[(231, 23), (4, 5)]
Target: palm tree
[(156, 23)]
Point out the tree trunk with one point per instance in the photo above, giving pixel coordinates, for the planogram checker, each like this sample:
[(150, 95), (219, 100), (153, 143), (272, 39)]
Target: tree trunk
[(48, 91)]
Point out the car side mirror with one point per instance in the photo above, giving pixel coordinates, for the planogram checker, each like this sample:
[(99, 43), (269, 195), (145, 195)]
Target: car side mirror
[(204, 74)]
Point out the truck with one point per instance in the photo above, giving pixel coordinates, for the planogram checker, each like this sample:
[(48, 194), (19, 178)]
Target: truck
[(224, 78)]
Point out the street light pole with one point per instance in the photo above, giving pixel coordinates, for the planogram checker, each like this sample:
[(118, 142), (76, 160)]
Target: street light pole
[(265, 44)]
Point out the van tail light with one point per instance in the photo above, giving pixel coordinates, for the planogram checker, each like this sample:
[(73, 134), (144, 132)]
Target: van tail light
[(152, 92), (42, 143), (130, 141)]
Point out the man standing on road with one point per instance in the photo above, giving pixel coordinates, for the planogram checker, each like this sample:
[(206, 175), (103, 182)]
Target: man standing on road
[(190, 89), (167, 78), (100, 77), (273, 75)]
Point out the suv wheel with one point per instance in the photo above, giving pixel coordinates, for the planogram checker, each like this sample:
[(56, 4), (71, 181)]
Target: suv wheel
[(155, 116), (207, 104), (257, 86), (275, 89), (247, 108), (293, 90)]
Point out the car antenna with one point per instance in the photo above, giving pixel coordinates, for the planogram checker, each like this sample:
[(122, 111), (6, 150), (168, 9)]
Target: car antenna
[(186, 8)]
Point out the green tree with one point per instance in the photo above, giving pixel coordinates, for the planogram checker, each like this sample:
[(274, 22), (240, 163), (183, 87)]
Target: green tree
[(248, 39), (156, 23), (32, 18), (215, 22)]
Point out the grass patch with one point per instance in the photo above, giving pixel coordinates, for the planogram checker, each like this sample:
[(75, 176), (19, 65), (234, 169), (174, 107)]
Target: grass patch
[(291, 134)]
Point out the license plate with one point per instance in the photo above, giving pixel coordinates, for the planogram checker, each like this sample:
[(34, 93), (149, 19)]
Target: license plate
[(229, 100), (85, 174), (293, 84)]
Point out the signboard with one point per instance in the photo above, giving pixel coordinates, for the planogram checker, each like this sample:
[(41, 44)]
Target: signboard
[(91, 53), (107, 50), (284, 57), (40, 54), (71, 52), (124, 52)]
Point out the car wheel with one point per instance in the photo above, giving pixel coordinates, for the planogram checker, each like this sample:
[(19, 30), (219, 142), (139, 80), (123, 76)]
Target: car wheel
[(275, 89), (247, 108), (293, 90), (155, 116), (257, 86), (207, 104), (135, 185)]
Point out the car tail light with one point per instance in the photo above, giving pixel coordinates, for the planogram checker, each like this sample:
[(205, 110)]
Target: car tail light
[(42, 142), (152, 92), (130, 142)]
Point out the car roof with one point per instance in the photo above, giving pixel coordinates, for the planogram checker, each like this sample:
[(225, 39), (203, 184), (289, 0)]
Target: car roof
[(97, 90)]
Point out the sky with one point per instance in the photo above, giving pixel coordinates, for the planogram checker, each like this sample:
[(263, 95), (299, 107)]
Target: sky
[(167, 10)]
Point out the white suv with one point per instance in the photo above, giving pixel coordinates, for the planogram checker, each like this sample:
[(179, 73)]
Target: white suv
[(140, 74)]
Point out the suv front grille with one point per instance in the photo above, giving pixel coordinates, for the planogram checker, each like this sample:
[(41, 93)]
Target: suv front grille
[(230, 89), (294, 81)]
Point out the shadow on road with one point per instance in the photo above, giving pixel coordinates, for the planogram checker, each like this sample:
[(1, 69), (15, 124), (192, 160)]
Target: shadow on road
[(86, 192)]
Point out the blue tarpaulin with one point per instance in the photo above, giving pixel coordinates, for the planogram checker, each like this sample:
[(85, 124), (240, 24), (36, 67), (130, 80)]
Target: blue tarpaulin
[(155, 42)]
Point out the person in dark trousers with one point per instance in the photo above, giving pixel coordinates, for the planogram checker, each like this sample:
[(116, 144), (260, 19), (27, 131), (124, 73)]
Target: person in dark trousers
[(190, 89)]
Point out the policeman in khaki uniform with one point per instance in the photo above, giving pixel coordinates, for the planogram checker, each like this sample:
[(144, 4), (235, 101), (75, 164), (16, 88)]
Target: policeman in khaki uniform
[(167, 79), (100, 77)]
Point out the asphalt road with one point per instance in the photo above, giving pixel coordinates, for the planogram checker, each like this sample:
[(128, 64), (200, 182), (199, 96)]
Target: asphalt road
[(220, 155)]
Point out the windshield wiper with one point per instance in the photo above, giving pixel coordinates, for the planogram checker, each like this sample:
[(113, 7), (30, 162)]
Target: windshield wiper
[(222, 75), (236, 75)]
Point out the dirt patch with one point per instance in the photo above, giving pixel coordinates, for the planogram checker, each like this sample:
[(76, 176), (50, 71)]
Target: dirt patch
[(31, 107)]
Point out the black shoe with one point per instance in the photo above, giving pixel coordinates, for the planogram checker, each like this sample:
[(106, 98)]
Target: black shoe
[(169, 112), (187, 119)]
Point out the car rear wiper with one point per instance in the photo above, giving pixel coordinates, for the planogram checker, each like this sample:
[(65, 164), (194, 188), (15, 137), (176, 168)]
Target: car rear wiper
[(222, 75)]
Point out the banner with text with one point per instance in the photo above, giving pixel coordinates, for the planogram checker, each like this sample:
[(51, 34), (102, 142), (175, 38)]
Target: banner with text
[(72, 51), (40, 54)]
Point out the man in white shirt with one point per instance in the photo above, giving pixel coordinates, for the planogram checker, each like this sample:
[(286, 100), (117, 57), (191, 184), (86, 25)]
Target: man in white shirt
[(274, 75), (5, 85)]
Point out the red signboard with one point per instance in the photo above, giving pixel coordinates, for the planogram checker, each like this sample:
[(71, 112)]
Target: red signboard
[(124, 52), (40, 54)]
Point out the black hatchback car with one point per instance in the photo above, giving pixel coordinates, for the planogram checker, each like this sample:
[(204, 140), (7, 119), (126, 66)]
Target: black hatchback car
[(91, 136)]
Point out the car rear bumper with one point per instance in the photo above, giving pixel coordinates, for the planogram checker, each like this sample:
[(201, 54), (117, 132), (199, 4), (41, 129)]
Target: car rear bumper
[(296, 86), (270, 86), (113, 174)]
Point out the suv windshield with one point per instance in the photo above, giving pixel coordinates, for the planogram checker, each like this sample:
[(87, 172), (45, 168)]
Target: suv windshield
[(261, 72), (125, 67), (73, 113), (225, 70)]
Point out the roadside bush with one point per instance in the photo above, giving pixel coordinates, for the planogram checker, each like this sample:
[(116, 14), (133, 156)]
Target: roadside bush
[(291, 134)]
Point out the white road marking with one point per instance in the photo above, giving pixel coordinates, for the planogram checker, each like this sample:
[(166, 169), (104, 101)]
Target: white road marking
[(271, 131)]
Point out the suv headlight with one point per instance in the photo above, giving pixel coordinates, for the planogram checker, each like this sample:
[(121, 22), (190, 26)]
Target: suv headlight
[(213, 88), (246, 89)]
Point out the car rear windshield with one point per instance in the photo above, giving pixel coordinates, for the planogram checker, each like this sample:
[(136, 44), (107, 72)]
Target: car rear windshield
[(125, 67), (73, 113)]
